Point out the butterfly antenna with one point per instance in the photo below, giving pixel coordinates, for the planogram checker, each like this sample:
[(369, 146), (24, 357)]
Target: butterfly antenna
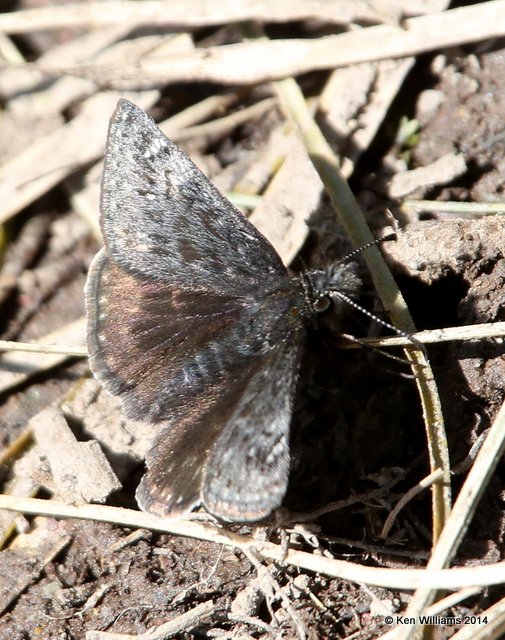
[(363, 343), (369, 314), (368, 245), (355, 305)]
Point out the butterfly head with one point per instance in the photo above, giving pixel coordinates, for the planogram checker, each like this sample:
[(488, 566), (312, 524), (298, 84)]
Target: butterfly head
[(332, 287)]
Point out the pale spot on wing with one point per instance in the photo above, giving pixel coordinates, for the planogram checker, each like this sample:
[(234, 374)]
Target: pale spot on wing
[(248, 235), (157, 146)]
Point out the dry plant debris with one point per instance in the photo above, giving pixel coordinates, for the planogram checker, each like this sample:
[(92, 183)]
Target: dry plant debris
[(376, 513)]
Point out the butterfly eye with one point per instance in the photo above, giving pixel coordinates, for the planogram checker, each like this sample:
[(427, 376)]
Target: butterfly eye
[(322, 304)]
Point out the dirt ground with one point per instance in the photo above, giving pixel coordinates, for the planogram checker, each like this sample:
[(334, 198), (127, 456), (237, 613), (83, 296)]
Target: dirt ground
[(357, 425)]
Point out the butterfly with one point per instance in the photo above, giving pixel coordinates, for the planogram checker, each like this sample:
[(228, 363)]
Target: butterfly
[(196, 325)]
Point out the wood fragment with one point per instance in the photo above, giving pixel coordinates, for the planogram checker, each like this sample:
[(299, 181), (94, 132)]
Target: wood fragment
[(80, 471), (55, 156), (20, 254), (50, 159), (25, 482), (220, 127), (40, 284), (123, 61), (292, 196), (442, 171), (20, 86), (198, 112), (102, 419), (355, 102)]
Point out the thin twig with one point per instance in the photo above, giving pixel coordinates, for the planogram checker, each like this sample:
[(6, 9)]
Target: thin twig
[(184, 622), (460, 208), (407, 497)]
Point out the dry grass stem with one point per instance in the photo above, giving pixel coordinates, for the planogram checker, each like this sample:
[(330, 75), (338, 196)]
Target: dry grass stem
[(57, 107), (459, 208), (17, 368), (248, 63), (463, 510), (407, 579), (193, 13), (407, 497), (351, 217)]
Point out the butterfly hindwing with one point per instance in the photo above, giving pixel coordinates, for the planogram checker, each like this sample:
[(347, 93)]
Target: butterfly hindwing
[(231, 456), (247, 470)]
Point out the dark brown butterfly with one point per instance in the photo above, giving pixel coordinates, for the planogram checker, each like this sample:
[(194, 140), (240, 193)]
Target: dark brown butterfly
[(195, 324)]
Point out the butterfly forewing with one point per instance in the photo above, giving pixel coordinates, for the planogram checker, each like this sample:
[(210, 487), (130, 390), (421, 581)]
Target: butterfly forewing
[(161, 217), (155, 346)]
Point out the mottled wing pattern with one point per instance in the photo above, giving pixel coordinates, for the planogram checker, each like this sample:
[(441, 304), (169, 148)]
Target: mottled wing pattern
[(162, 217), (246, 473), (231, 456)]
